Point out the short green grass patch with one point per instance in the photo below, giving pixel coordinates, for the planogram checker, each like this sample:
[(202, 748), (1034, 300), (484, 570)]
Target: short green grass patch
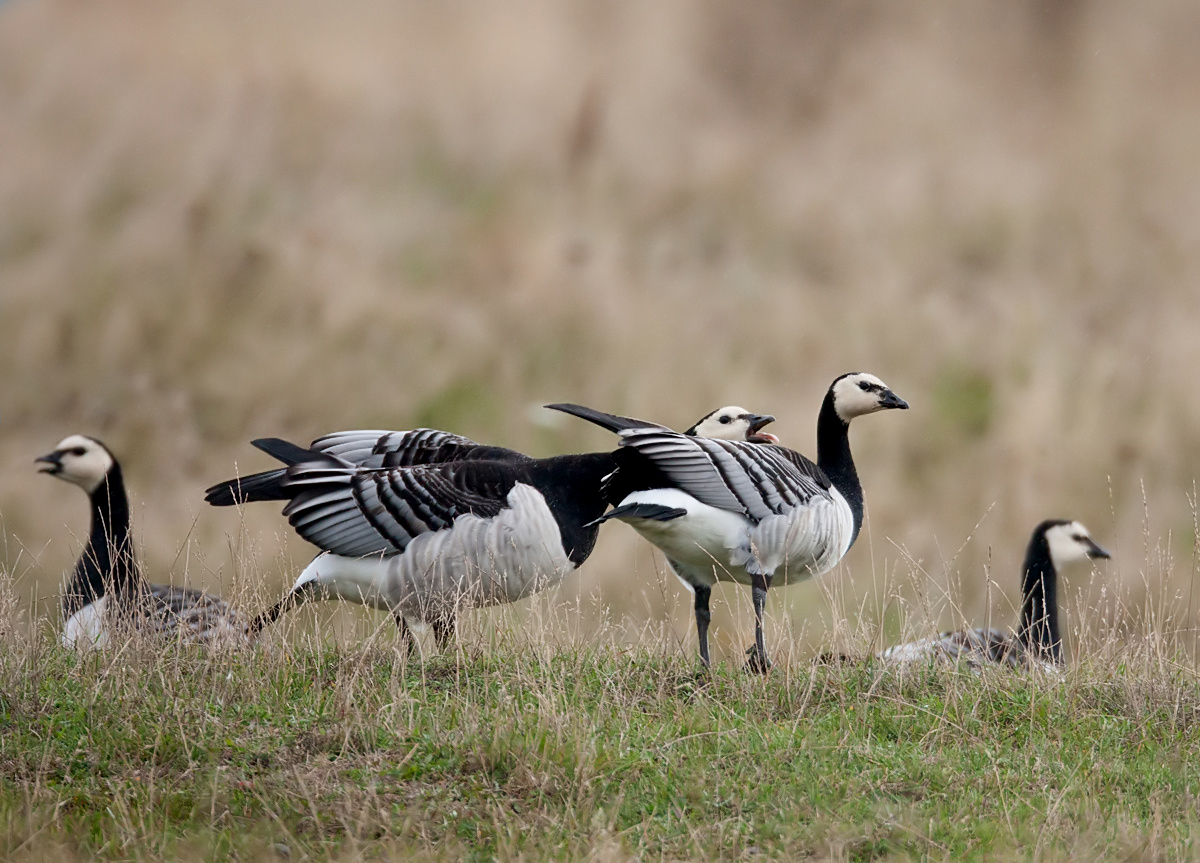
[(325, 752)]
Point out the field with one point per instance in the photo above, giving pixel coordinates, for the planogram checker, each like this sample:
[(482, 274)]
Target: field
[(519, 751), (221, 220)]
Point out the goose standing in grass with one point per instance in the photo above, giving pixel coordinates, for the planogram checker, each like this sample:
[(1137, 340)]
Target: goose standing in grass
[(1038, 643), (422, 523), (107, 589), (746, 512)]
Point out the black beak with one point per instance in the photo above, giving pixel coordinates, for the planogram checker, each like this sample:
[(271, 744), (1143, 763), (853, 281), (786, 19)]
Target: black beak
[(890, 400), (50, 463), (1094, 551), (757, 421)]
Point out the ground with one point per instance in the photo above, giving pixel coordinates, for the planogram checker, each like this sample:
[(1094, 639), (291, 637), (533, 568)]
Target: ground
[(519, 752)]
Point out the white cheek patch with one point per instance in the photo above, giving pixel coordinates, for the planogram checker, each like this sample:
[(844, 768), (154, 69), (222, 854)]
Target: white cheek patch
[(712, 427), (714, 430), (87, 470), (852, 401), (1064, 548)]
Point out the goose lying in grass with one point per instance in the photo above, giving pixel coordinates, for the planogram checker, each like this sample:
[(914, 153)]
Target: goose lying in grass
[(107, 590), (1037, 643)]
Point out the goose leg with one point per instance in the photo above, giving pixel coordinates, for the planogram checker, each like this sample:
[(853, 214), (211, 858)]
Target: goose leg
[(703, 616), (758, 662), (443, 628), (273, 613), (406, 633)]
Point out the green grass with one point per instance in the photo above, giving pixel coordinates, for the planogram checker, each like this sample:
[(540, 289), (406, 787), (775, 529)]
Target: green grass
[(519, 753)]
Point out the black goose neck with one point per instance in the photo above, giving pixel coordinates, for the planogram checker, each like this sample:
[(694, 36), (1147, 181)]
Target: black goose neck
[(833, 457), (573, 486), (107, 563), (1039, 631)]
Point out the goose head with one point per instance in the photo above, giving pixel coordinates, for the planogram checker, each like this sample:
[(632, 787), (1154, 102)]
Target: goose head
[(734, 423), (1069, 542), (80, 460), (859, 393)]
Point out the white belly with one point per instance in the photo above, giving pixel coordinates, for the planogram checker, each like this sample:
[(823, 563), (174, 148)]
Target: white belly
[(712, 544), (474, 562), (87, 627)]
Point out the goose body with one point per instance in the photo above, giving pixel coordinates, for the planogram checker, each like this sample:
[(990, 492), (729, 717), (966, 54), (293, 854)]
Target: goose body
[(747, 512), (423, 537), (1038, 642), (106, 589)]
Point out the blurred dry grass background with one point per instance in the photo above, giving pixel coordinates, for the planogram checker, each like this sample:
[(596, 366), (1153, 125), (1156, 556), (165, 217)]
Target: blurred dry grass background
[(226, 220)]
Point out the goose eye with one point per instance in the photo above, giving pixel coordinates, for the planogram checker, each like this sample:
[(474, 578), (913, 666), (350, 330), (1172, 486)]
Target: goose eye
[(724, 420), (864, 385), (78, 450)]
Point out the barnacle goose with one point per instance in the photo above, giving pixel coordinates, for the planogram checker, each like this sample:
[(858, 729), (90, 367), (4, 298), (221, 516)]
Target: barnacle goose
[(421, 523), (1037, 644), (107, 588), (746, 512)]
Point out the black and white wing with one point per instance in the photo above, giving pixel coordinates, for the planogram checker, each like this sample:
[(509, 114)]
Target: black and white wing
[(354, 511), (380, 449), (756, 480), (369, 448)]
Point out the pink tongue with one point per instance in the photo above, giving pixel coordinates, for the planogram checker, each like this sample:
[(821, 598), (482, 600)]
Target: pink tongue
[(764, 437)]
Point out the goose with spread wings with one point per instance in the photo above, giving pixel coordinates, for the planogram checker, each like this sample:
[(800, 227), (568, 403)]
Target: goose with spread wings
[(423, 523), (745, 512)]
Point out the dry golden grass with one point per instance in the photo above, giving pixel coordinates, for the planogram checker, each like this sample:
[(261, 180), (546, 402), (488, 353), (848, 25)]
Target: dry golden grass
[(223, 220)]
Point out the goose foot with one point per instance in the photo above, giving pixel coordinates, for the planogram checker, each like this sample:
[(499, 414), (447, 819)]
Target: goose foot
[(757, 662)]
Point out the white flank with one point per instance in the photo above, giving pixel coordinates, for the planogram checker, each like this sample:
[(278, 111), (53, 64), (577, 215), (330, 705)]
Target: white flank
[(714, 544), (474, 562), (87, 627)]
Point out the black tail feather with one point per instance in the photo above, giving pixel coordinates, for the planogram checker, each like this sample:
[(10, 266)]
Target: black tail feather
[(654, 511), (273, 613), (288, 452), (612, 422), (267, 485)]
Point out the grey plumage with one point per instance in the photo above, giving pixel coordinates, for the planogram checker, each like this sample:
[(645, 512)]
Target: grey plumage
[(756, 480), (745, 509)]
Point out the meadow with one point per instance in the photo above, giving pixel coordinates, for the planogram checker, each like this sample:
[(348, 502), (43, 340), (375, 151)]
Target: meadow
[(519, 750), (220, 221)]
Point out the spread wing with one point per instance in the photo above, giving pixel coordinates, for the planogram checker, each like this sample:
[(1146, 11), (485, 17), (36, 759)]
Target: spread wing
[(354, 511), (374, 448), (756, 480), (368, 448)]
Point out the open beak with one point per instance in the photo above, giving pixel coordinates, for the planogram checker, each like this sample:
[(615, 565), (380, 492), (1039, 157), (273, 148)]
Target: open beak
[(757, 421), (50, 463), (890, 400), (1094, 551)]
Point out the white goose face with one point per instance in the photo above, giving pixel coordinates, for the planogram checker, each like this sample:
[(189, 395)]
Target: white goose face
[(734, 423), (78, 459), (859, 393), (1070, 542)]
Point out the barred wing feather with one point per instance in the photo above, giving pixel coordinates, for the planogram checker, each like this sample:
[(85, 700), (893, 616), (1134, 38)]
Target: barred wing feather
[(756, 480), (356, 512), (375, 448)]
